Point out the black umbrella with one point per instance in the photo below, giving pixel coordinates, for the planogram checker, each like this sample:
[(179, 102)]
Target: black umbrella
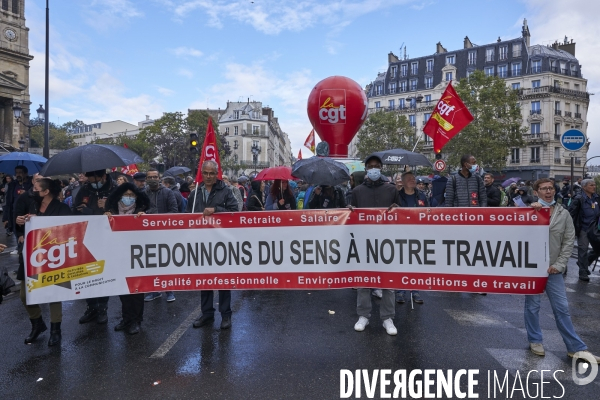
[(179, 170), (90, 157), (321, 171), (401, 157)]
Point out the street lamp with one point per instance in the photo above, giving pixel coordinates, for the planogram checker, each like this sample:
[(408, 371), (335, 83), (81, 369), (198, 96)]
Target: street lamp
[(18, 112), (417, 100), (255, 149)]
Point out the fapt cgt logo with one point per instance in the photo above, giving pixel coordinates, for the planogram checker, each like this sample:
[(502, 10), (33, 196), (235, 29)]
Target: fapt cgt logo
[(57, 255), (333, 106)]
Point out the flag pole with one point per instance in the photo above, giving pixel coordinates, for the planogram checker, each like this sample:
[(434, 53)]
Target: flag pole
[(195, 194)]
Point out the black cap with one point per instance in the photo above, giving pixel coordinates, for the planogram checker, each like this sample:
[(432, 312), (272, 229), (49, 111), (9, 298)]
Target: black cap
[(139, 176), (373, 156)]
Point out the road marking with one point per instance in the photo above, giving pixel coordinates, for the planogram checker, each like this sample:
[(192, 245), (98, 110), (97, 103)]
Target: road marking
[(177, 334)]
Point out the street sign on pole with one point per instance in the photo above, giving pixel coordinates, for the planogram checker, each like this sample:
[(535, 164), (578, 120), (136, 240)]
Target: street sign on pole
[(573, 140), (577, 154), (439, 165)]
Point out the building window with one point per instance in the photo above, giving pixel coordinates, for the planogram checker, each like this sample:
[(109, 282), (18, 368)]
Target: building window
[(448, 76), (236, 114), (256, 129), (426, 117), (227, 131), (428, 82), (235, 158), (5, 5), (516, 86), (515, 156), (575, 87), (503, 53), (489, 71), (472, 58), (403, 86), (516, 69), (401, 104), (413, 120), (404, 70), (413, 84), (392, 104), (414, 68), (428, 99), (235, 144), (377, 104), (536, 66), (535, 155), (393, 71), (535, 107), (450, 60), (535, 84), (429, 66), (516, 50), (535, 128), (557, 129), (489, 55), (15, 6), (392, 87), (235, 130), (378, 90), (255, 143), (503, 71)]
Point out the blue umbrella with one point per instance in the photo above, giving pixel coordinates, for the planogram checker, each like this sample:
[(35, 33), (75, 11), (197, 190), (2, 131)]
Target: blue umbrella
[(33, 162), (510, 181)]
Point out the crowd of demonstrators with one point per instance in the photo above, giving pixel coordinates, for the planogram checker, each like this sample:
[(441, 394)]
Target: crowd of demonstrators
[(466, 188), (44, 202), (212, 197), (257, 200), (375, 192), (21, 184), (128, 199), (280, 196), (585, 211), (170, 183), (236, 192)]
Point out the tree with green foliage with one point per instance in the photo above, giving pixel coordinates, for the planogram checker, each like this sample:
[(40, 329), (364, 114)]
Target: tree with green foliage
[(59, 135), (497, 124), (384, 131)]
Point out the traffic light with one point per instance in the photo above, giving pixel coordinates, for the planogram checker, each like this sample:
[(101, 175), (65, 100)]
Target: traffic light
[(438, 155), (193, 142)]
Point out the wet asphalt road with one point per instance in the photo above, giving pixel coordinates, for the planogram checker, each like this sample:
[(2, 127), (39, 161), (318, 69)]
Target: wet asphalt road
[(286, 345)]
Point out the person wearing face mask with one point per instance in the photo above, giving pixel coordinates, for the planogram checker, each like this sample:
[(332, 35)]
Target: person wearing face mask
[(560, 246), (21, 184), (327, 197), (45, 203), (162, 201), (128, 199), (91, 200), (466, 188), (375, 192)]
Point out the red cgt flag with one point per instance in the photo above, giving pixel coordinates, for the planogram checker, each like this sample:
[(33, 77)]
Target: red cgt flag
[(299, 154), (449, 117), (131, 169), (309, 143), (210, 152)]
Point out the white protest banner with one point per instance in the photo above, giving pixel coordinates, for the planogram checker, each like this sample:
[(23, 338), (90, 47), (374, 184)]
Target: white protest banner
[(495, 250)]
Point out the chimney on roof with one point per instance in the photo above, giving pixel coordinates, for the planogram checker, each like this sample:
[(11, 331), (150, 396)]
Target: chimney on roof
[(440, 49), (468, 43), (392, 58), (567, 46), (525, 32), (499, 40), (147, 117)]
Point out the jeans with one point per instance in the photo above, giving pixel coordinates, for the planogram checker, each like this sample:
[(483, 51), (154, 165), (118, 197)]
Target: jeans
[(583, 245), (387, 309), (555, 289)]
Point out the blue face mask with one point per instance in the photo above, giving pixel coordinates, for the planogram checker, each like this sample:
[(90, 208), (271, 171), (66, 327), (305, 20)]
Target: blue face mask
[(96, 185), (473, 168), (374, 174), (127, 201), (545, 203)]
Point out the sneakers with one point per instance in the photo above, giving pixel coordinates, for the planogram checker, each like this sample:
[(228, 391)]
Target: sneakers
[(152, 296), (388, 324), (417, 298), (377, 293), (170, 297), (537, 349), (586, 355), (400, 298), (361, 324)]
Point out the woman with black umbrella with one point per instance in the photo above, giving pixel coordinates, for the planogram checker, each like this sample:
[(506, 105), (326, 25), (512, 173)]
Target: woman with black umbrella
[(127, 199), (45, 204)]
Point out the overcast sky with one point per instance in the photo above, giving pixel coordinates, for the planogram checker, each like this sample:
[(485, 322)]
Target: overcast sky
[(124, 59)]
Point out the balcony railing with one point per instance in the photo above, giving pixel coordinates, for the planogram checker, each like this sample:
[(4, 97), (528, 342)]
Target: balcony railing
[(503, 74), (535, 112), (536, 69), (556, 136), (568, 114), (557, 160), (578, 115), (392, 90), (543, 136), (515, 161), (534, 161), (516, 72), (554, 89), (428, 85), (557, 112)]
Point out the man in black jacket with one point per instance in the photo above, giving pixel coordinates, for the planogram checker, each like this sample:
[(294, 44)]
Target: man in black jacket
[(91, 200), (212, 196), (585, 210), (20, 185), (493, 194), (375, 192)]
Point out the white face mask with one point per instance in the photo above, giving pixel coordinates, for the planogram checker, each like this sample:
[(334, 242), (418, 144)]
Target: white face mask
[(374, 174)]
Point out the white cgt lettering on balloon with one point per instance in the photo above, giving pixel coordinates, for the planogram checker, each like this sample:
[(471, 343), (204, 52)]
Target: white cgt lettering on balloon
[(333, 115)]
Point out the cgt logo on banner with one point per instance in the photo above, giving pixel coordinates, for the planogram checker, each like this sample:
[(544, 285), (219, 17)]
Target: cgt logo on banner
[(57, 255)]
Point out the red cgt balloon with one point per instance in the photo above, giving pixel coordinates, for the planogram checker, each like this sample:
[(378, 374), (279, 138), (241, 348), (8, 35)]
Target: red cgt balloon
[(337, 108)]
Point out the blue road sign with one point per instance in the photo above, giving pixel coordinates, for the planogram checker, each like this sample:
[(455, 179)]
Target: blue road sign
[(573, 140)]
